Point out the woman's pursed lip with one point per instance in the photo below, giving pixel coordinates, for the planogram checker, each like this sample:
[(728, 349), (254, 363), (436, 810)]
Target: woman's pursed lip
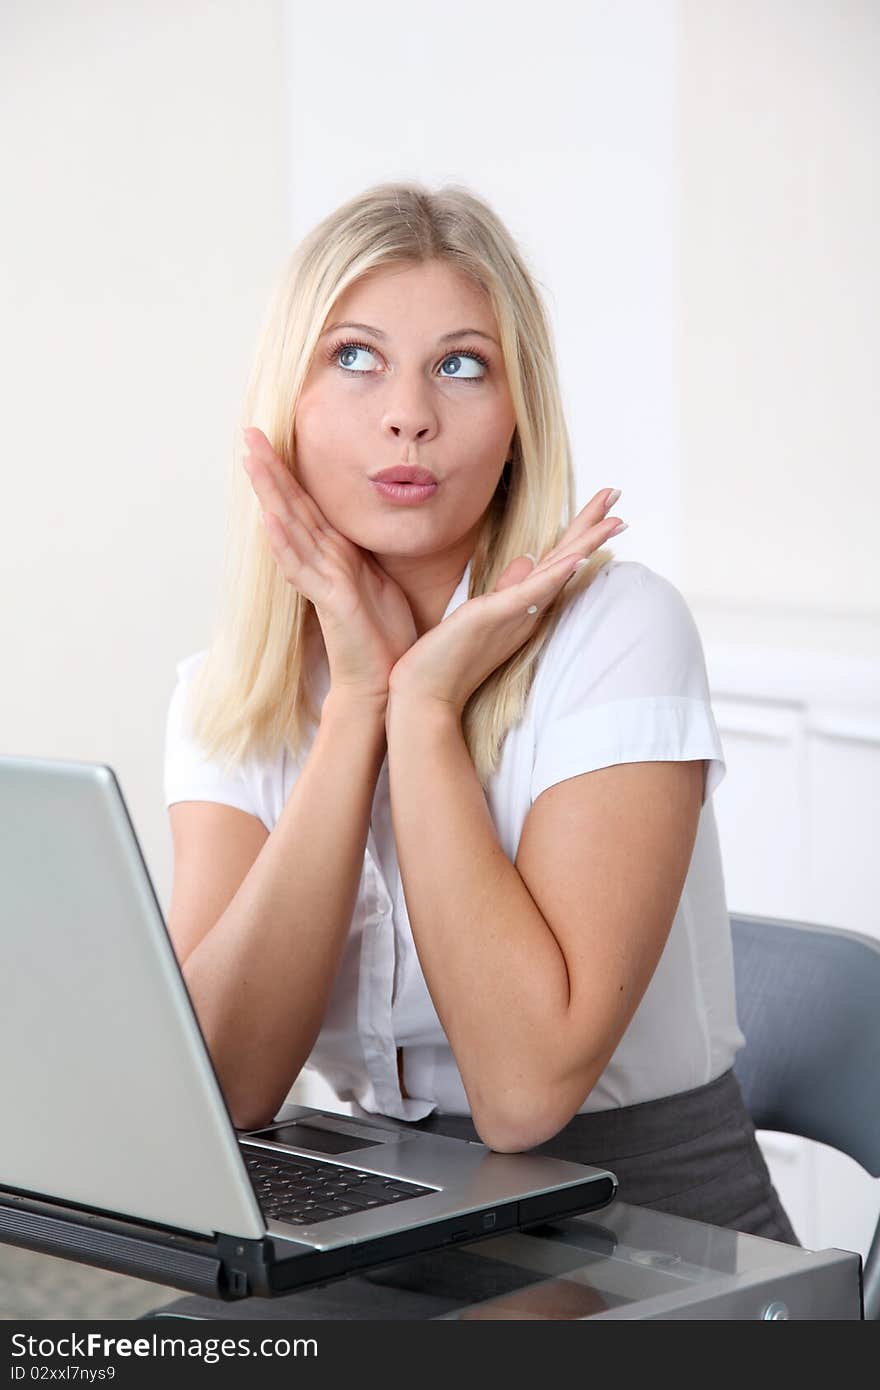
[(403, 494), (404, 475)]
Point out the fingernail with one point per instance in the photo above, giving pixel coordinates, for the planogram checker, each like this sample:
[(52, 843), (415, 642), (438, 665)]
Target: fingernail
[(580, 564), (612, 498), (617, 530), (531, 557)]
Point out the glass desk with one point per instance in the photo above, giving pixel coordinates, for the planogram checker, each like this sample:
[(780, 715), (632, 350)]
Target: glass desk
[(622, 1262)]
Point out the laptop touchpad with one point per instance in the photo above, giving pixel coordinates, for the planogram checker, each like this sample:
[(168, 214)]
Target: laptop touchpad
[(325, 1141)]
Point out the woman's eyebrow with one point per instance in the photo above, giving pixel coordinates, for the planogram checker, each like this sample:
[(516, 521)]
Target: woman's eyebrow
[(377, 332)]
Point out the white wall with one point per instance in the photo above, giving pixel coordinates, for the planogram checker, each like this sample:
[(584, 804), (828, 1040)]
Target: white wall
[(565, 119), (780, 383), (143, 222)]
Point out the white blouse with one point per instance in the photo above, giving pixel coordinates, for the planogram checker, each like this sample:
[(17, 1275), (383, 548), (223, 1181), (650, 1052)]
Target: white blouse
[(621, 679)]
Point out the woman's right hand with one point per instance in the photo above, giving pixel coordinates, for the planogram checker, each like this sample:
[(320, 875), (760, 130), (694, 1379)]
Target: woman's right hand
[(365, 617)]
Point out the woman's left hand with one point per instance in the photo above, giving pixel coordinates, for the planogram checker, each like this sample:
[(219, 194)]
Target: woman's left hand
[(451, 660)]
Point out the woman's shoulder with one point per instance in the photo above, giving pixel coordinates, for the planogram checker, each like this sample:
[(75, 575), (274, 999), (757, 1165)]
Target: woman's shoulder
[(187, 666), (624, 596), (628, 634), (251, 782), (180, 737)]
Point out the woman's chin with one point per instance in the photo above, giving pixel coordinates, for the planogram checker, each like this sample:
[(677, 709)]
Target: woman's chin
[(391, 543)]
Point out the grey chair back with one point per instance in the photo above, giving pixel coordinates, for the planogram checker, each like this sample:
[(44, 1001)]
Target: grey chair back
[(808, 1001)]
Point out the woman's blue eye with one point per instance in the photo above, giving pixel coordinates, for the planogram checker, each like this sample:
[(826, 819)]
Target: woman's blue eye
[(350, 349), (457, 357), (463, 357)]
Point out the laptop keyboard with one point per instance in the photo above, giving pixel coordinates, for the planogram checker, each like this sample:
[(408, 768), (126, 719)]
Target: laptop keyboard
[(304, 1191)]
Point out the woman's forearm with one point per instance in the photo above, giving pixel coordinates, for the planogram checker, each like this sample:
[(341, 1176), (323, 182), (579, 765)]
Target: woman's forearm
[(495, 972), (260, 979)]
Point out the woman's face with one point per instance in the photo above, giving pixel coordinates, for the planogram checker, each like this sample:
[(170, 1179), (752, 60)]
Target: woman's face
[(411, 392)]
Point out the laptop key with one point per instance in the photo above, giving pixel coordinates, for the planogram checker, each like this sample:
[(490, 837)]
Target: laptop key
[(319, 1214), (360, 1200), (370, 1189), (389, 1196)]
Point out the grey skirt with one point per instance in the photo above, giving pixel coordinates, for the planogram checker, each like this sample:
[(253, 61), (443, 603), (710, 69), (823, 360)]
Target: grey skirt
[(693, 1154)]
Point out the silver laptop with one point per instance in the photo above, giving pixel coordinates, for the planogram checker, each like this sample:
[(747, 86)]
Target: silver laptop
[(117, 1148)]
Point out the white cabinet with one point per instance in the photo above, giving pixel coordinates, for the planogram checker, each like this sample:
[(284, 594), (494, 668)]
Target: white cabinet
[(798, 816), (759, 808)]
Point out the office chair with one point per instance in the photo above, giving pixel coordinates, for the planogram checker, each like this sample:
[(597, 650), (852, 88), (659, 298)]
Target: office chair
[(808, 1000)]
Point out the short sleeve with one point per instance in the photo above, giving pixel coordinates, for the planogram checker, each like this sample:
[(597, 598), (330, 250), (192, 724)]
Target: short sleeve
[(626, 682), (189, 776)]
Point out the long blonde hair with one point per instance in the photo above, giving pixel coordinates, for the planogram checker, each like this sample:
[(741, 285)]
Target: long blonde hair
[(252, 694)]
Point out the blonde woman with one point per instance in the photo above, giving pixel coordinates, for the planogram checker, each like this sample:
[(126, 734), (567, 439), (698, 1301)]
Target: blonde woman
[(440, 786)]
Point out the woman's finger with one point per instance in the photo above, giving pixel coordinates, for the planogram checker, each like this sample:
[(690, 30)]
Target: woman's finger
[(587, 533), (282, 543), (274, 484), (593, 514), (515, 572), (538, 589), (264, 479), (294, 560), (264, 470), (308, 535)]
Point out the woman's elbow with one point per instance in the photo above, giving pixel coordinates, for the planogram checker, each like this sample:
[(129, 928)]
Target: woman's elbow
[(536, 1119), (534, 1125)]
